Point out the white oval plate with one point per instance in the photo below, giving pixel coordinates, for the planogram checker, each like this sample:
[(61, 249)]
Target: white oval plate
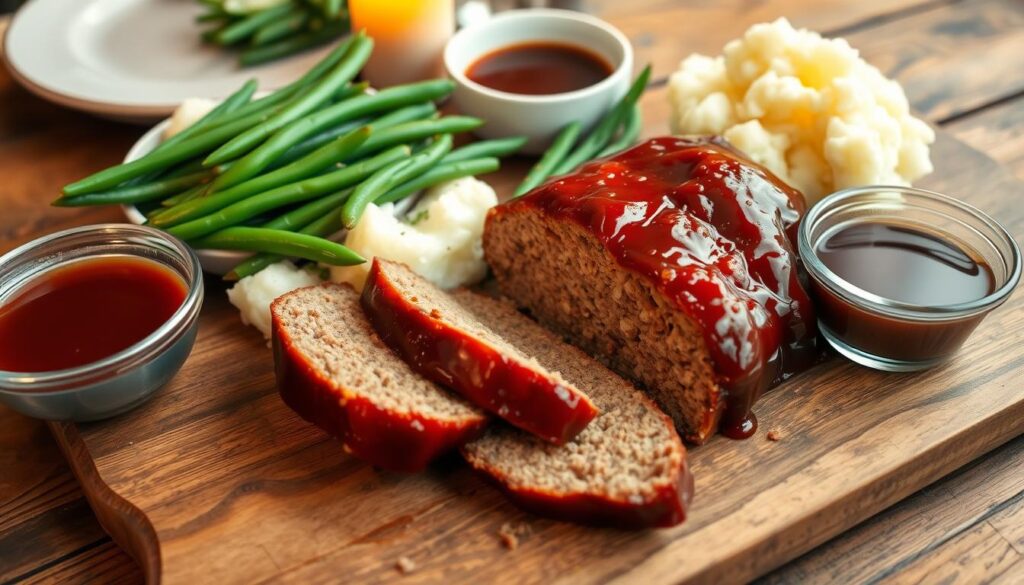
[(133, 60)]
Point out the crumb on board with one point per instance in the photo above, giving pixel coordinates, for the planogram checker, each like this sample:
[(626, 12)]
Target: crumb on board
[(509, 534), (405, 565), (774, 435)]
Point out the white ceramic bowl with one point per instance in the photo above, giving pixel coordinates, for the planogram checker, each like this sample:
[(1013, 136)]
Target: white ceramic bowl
[(538, 117), (218, 262)]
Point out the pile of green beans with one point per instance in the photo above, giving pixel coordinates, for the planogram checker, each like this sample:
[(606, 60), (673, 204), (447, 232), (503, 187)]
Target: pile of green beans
[(281, 29), (617, 131), (282, 174)]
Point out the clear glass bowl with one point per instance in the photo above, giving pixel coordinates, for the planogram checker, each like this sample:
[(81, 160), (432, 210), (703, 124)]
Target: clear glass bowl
[(883, 333), (125, 379)]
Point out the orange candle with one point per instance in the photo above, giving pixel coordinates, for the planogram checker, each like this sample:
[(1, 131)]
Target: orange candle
[(409, 37)]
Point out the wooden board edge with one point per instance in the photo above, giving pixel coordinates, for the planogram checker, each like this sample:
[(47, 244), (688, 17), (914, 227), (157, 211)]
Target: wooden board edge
[(127, 525), (820, 526)]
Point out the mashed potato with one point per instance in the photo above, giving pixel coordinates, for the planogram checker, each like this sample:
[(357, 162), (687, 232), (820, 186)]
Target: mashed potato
[(808, 108), (440, 238), (188, 113), (253, 294)]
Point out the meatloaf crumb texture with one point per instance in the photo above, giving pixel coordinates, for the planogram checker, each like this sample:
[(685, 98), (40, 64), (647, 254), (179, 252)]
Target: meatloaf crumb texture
[(335, 372), (572, 284), (627, 468)]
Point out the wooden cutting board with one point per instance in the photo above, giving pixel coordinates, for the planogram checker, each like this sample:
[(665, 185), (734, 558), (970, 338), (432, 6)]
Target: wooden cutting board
[(215, 480)]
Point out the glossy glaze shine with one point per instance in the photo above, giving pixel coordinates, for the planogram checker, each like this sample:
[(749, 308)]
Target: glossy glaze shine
[(712, 231)]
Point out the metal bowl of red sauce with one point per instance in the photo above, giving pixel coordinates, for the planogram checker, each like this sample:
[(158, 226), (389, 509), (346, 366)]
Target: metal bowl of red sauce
[(94, 320), (901, 277)]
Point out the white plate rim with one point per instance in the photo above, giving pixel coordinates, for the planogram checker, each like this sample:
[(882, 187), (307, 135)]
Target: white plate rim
[(137, 109)]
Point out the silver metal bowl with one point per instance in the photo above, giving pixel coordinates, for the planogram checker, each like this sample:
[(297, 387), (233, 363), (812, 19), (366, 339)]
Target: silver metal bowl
[(126, 379)]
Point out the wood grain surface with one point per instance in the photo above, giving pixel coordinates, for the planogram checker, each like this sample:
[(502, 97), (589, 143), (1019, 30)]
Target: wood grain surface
[(959, 53), (216, 480)]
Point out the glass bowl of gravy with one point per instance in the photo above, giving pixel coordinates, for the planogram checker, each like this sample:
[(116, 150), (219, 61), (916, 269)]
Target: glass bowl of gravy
[(901, 277), (95, 319)]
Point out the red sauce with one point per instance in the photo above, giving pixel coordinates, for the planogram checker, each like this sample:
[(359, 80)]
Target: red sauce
[(86, 311), (539, 69), (713, 232)]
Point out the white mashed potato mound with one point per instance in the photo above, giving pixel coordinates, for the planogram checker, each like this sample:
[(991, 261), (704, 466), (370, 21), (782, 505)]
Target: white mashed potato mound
[(806, 107), (188, 113), (253, 294), (440, 238)]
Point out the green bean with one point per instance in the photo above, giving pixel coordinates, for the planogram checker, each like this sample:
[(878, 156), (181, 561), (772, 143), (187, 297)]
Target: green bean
[(137, 193), (441, 173), (600, 136), (284, 47), (244, 28), (499, 147), (332, 8), (280, 242), (230, 104), (413, 131), (162, 158), (305, 190), (386, 178), (288, 91), (349, 66), (184, 196), (264, 155), (399, 116), (552, 158), (304, 167), (289, 24), (301, 216), (328, 223), (349, 91), (310, 144), (627, 135), (405, 114)]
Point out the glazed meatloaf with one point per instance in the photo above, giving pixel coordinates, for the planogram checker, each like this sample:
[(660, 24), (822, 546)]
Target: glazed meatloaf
[(627, 468), (335, 372), (443, 342), (673, 263)]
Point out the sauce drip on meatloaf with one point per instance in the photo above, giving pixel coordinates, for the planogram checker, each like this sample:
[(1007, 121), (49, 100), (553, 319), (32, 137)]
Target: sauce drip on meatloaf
[(712, 231)]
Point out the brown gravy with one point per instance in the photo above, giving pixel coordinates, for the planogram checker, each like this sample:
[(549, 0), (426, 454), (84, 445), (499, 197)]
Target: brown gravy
[(541, 68)]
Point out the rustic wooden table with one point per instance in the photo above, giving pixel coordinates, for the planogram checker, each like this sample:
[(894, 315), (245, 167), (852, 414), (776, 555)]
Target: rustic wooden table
[(960, 63)]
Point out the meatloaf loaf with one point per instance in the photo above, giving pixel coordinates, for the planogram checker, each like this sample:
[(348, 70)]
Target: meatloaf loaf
[(673, 263)]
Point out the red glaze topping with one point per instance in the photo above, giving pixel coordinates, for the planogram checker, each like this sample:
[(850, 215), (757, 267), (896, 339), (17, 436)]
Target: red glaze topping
[(486, 376), (387, 439), (709, 229)]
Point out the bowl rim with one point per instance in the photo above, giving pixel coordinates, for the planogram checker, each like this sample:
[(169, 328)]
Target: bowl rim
[(129, 358), (877, 304), (503, 19)]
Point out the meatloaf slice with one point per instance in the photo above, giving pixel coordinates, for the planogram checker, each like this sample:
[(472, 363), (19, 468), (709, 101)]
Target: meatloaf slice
[(672, 262), (627, 468), (443, 342), (335, 372)]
